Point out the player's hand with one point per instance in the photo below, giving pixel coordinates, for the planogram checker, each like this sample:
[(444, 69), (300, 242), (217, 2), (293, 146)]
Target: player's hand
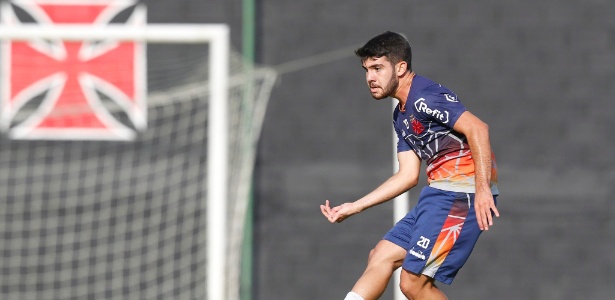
[(339, 213), (485, 209)]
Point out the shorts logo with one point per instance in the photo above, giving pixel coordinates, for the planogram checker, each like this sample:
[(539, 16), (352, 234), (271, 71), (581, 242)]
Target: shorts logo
[(73, 90), (421, 106), (418, 254)]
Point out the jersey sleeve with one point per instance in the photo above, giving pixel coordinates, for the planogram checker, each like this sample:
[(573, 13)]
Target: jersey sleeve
[(402, 145), (440, 105)]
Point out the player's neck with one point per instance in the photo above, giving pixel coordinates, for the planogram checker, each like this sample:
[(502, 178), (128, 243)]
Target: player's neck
[(405, 83)]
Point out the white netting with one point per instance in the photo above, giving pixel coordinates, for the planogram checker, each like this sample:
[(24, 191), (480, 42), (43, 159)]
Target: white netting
[(126, 220)]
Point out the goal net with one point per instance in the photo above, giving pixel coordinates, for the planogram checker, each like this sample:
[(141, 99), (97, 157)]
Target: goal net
[(92, 219)]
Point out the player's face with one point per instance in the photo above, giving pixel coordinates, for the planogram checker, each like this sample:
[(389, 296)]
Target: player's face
[(380, 76)]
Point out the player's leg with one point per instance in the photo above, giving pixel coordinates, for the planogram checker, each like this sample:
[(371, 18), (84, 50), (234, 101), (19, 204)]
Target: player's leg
[(419, 287), (385, 258)]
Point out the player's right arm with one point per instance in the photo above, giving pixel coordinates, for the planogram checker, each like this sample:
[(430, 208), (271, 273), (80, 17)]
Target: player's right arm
[(406, 178)]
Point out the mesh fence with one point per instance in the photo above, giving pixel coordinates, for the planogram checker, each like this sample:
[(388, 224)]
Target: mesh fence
[(126, 220)]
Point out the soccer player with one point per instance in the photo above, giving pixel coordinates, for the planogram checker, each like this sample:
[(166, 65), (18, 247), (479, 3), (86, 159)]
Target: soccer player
[(434, 240)]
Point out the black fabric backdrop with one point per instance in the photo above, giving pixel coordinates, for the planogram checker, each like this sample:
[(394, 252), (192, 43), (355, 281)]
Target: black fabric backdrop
[(539, 72)]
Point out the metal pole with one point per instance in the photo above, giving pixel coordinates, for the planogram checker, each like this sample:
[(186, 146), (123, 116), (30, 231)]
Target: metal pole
[(248, 44)]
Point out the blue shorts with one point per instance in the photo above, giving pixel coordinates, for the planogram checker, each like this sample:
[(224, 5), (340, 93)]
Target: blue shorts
[(439, 234)]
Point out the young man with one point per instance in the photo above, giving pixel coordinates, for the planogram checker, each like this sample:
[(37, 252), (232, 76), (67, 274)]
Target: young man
[(434, 240)]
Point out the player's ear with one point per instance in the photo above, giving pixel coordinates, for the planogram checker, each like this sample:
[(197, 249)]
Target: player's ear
[(401, 68)]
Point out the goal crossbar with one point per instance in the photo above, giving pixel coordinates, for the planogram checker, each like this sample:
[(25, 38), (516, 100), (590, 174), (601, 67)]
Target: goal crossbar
[(151, 33), (217, 35)]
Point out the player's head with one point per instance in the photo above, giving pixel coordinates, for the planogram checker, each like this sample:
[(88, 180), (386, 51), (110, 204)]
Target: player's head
[(385, 58), (391, 45)]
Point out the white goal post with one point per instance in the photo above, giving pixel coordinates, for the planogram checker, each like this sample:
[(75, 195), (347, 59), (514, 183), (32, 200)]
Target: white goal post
[(401, 206), (217, 36)]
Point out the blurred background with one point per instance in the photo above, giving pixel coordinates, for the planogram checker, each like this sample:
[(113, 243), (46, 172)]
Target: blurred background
[(540, 73)]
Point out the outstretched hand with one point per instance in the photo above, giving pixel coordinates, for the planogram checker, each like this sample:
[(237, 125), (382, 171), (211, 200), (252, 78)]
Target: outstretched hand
[(339, 213)]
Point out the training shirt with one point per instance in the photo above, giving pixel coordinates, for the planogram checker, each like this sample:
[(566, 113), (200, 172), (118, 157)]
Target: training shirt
[(426, 127)]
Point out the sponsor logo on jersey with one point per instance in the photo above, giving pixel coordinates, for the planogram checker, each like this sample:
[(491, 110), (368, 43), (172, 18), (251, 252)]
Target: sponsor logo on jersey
[(421, 106), (451, 98)]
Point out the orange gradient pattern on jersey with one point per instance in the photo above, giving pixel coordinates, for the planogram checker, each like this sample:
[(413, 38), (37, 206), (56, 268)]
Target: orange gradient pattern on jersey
[(457, 170)]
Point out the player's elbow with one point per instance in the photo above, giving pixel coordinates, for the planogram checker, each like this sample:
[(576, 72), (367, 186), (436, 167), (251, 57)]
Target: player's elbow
[(408, 175), (481, 125), (410, 181), (479, 130)]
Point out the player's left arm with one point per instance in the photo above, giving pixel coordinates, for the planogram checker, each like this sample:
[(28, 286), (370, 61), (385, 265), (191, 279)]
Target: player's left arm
[(477, 134)]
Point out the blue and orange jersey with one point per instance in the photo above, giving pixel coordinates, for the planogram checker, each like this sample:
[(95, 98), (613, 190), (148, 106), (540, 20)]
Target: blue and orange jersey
[(426, 127)]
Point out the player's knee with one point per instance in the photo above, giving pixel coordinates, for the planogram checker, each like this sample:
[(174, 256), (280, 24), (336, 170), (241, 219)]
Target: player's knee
[(412, 285), (408, 289), (378, 257), (371, 254), (386, 255)]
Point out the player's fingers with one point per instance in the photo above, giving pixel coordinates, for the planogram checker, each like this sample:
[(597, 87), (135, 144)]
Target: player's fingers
[(331, 212), (333, 218), (491, 212), (495, 211), (480, 218), (328, 207), (489, 217), (480, 222), (324, 211)]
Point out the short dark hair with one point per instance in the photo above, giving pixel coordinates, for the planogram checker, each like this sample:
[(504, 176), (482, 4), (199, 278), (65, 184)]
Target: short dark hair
[(390, 44)]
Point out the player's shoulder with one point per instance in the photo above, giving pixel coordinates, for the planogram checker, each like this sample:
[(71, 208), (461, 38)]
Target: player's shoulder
[(431, 90)]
